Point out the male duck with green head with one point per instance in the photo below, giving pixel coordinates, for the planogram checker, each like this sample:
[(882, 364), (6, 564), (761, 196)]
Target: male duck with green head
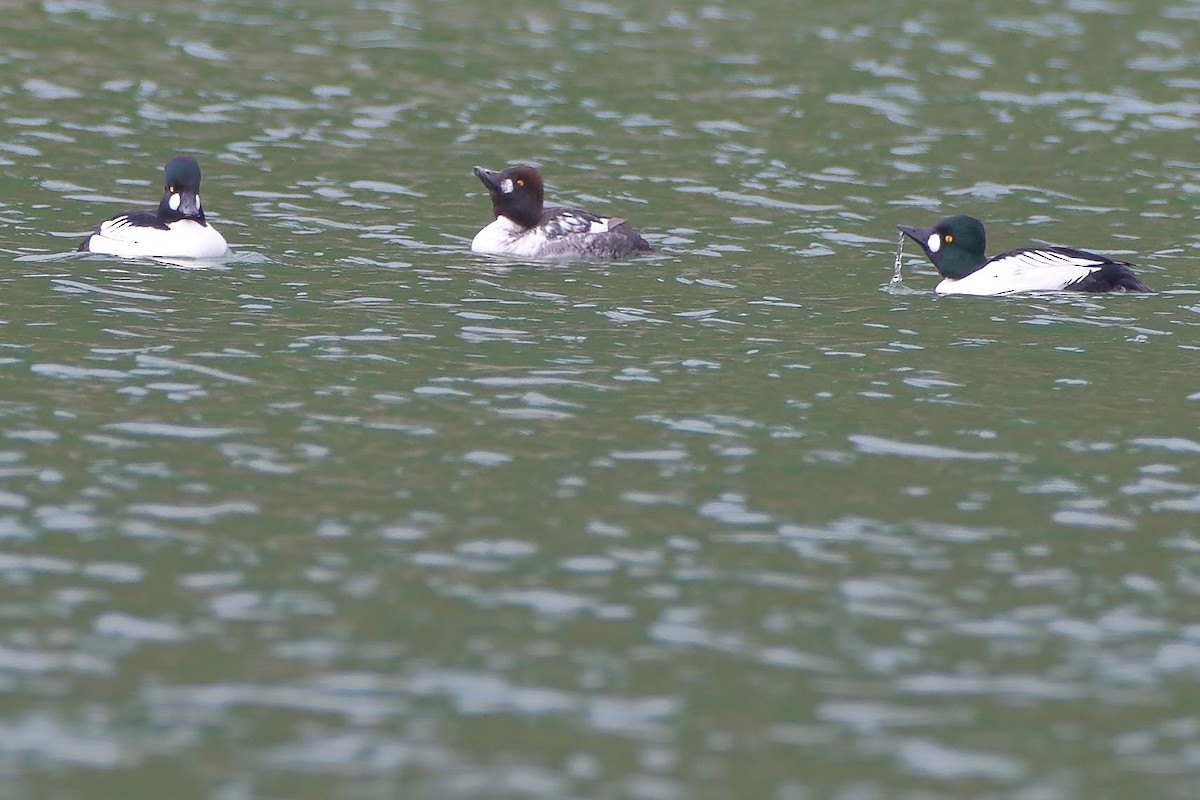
[(176, 229), (956, 247)]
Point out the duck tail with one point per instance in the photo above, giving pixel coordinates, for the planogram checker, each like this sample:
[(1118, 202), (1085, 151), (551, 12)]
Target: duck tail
[(1115, 276)]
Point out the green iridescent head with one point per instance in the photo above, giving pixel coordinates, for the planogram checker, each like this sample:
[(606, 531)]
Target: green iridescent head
[(955, 245)]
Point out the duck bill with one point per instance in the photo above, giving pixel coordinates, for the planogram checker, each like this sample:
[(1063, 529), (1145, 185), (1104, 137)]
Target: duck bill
[(918, 235), (189, 205), (490, 179)]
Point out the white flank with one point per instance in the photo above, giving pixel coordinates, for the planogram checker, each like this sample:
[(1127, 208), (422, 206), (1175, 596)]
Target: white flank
[(599, 226), (185, 239), (1023, 271)]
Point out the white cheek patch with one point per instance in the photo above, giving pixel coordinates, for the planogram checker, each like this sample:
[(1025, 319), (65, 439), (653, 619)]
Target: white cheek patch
[(934, 244), (506, 186), (173, 201), (197, 201)]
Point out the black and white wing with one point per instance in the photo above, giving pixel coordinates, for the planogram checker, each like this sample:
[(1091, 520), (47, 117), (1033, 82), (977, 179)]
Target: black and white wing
[(1046, 269), (592, 235), (125, 227), (556, 222)]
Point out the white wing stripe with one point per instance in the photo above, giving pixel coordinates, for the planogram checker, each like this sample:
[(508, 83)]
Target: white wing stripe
[(1031, 259)]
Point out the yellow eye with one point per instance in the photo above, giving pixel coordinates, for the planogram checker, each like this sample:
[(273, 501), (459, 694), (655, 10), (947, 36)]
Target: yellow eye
[(171, 189), (949, 238), (520, 181)]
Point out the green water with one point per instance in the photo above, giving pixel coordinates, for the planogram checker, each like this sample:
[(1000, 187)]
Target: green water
[(358, 514)]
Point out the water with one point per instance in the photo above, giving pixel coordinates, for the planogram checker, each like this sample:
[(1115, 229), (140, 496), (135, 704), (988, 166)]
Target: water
[(359, 514), (897, 276)]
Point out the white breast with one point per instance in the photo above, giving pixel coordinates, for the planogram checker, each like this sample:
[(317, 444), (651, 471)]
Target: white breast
[(503, 237), (185, 239), (1023, 271)]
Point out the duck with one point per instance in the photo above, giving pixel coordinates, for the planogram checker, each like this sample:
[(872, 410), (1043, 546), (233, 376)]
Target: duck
[(956, 247), (176, 229), (524, 228)]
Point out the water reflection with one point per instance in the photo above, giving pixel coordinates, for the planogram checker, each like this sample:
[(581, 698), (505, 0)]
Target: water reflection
[(357, 513)]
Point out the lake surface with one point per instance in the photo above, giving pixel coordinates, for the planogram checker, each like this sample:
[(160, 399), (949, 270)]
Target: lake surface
[(354, 513)]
